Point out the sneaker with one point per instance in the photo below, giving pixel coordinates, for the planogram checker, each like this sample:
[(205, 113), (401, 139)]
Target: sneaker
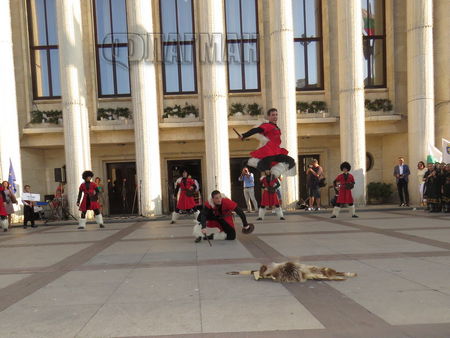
[(406, 205), (333, 216), (355, 216), (317, 209)]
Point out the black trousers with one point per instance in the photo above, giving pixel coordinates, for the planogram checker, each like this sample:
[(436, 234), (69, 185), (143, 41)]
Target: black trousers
[(402, 187), (28, 215), (266, 162), (227, 228), (96, 212)]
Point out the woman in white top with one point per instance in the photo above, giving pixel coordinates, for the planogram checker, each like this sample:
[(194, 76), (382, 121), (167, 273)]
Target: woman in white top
[(421, 170)]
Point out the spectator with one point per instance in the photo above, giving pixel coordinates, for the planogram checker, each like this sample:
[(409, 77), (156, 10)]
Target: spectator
[(101, 193), (401, 173), (421, 170), (446, 189), (432, 188), (28, 209), (10, 199), (3, 213), (248, 181), (313, 176)]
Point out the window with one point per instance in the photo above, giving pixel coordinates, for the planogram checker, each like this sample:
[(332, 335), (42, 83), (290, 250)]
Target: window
[(307, 20), (374, 43), (242, 45), (177, 26), (44, 49), (111, 39)]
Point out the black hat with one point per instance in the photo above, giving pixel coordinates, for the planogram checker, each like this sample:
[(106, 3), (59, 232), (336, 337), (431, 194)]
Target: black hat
[(346, 165), (87, 174)]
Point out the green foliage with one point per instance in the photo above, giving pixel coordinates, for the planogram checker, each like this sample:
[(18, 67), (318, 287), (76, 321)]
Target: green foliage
[(237, 108), (378, 105), (379, 191), (46, 116), (254, 109), (113, 113), (179, 111), (313, 107)]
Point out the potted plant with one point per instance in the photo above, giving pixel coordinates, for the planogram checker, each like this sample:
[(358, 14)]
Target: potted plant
[(302, 107), (175, 113), (377, 106), (46, 117), (379, 192), (237, 109), (254, 109), (118, 115), (189, 110)]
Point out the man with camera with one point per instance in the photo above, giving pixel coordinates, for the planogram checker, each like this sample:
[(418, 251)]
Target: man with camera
[(248, 181), (314, 175)]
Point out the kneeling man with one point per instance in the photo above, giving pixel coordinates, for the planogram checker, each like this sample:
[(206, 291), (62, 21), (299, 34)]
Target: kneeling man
[(218, 213)]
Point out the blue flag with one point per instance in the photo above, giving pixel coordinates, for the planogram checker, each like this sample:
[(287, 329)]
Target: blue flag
[(12, 177)]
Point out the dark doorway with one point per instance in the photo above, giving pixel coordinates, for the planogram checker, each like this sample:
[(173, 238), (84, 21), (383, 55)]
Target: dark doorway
[(174, 171), (122, 188), (237, 194), (304, 161)]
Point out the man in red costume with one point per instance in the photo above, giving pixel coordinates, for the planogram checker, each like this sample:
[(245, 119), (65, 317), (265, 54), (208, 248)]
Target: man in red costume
[(344, 184), (186, 187), (270, 156), (90, 192), (3, 213), (218, 213), (270, 196)]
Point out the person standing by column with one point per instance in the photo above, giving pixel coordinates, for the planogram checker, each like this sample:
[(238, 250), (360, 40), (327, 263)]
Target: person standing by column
[(90, 191), (421, 170), (10, 199), (344, 182), (28, 209), (401, 173), (269, 198), (101, 193), (248, 181), (3, 213)]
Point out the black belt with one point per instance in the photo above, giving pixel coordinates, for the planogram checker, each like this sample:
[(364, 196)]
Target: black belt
[(249, 187)]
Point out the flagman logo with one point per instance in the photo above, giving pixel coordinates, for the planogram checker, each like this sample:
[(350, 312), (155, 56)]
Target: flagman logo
[(448, 150)]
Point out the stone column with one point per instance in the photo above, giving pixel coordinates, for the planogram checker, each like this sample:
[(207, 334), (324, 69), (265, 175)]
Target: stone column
[(145, 107), (215, 95), (9, 135), (420, 84), (351, 94), (441, 34), (283, 87), (73, 91)]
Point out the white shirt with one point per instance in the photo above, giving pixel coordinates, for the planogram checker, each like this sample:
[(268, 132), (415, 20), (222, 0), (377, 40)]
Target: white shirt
[(400, 169)]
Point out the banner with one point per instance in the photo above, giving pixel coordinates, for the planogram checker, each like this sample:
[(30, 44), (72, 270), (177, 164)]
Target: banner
[(445, 150), (434, 154)]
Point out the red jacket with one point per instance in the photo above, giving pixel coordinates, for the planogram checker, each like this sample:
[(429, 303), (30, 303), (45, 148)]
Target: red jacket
[(91, 194), (269, 198), (272, 147), (2, 202), (226, 212), (186, 202), (345, 194)]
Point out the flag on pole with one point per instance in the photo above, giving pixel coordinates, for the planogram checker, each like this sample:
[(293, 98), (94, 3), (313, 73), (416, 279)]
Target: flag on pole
[(12, 177), (445, 150), (434, 154)]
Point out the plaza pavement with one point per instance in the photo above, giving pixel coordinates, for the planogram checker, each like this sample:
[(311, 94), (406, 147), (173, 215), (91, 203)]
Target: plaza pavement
[(149, 279)]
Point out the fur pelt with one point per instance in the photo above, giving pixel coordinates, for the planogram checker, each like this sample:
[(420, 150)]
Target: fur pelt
[(288, 272)]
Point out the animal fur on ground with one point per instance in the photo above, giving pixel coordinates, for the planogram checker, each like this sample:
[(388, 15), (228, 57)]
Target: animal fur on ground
[(288, 272)]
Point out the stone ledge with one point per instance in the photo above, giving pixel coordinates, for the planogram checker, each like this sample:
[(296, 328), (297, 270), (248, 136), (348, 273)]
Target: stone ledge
[(375, 118), (305, 120)]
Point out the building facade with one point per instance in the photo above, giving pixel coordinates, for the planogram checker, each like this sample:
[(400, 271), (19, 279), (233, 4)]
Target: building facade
[(137, 89)]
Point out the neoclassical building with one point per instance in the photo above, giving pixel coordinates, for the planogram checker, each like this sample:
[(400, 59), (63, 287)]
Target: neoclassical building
[(137, 89)]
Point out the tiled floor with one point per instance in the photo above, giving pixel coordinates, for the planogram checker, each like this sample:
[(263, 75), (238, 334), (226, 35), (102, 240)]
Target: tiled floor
[(151, 279)]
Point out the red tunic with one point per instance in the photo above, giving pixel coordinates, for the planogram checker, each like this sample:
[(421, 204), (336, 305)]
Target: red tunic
[(269, 198), (345, 195), (227, 213), (272, 147), (186, 202), (2, 203), (92, 205)]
